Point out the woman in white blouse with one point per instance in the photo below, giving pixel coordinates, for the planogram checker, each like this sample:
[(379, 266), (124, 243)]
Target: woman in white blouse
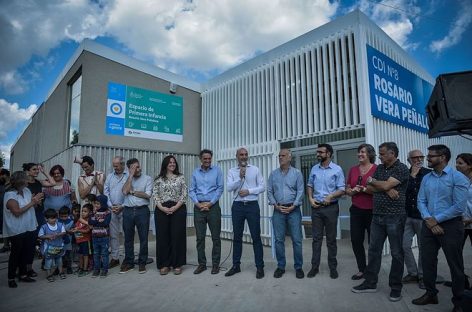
[(19, 224), (170, 217)]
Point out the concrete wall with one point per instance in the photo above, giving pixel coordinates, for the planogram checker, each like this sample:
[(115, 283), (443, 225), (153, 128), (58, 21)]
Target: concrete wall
[(47, 134), (96, 73)]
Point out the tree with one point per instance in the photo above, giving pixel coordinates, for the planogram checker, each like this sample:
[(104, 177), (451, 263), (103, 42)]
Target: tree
[(2, 160)]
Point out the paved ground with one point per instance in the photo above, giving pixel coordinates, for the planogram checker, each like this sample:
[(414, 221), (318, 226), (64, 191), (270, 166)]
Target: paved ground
[(206, 292)]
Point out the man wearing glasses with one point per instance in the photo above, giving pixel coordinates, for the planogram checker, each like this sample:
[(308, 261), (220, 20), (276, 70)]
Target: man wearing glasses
[(441, 201), (413, 221), (325, 185)]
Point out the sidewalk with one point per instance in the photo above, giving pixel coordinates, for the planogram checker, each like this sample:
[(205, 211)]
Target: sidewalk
[(206, 292)]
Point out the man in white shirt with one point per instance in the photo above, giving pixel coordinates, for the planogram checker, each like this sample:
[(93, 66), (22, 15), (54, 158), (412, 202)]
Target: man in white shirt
[(246, 183)]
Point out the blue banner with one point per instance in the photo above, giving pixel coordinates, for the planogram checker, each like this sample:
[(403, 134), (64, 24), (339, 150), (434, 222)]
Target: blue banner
[(396, 94)]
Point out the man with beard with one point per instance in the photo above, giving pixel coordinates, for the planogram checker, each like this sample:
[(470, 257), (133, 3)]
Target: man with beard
[(325, 185), (442, 200)]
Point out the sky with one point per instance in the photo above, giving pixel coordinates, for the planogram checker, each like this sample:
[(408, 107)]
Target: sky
[(199, 39)]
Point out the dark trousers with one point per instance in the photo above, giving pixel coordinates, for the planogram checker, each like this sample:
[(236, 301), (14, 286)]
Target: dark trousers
[(383, 226), (19, 254), (451, 244), (213, 219), (171, 237), (467, 233), (249, 211), (67, 259), (325, 220), (136, 217), (360, 221)]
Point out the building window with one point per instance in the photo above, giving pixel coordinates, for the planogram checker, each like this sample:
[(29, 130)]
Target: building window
[(74, 117)]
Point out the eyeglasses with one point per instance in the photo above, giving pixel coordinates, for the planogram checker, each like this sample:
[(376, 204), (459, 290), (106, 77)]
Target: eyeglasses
[(433, 156)]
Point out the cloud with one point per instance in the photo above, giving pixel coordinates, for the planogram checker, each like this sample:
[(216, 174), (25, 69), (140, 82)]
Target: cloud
[(12, 82), (5, 149), (456, 31), (206, 35), (35, 27), (12, 116), (185, 36), (395, 17)]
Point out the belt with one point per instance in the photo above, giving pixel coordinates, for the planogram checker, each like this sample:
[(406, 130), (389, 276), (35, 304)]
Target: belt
[(286, 205), (136, 207), (247, 202), (326, 205)]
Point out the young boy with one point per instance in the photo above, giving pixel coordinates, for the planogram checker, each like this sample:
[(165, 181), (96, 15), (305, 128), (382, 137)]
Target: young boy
[(75, 218), (99, 221), (52, 247), (68, 222), (83, 238)]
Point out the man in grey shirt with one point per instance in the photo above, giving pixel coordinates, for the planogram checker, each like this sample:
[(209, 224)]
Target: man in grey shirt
[(113, 190), (137, 190), (285, 193)]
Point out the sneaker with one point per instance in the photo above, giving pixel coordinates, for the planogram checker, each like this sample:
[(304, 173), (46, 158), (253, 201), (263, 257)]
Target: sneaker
[(50, 278), (142, 269), (363, 288), (114, 263), (125, 268), (96, 273), (299, 273), (313, 272), (62, 275), (395, 295), (409, 278), (278, 273), (104, 274), (83, 273)]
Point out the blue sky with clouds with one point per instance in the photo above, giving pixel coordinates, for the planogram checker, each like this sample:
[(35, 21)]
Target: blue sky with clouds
[(199, 39)]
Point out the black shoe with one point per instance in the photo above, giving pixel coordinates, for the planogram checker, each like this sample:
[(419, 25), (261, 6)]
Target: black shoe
[(409, 278), (32, 273), (333, 274), (114, 263), (425, 299), (233, 270), (200, 268), (357, 276), (12, 284), (260, 273), (279, 272), (27, 279), (312, 272), (395, 295), (215, 269), (363, 288), (96, 273), (69, 271), (299, 273)]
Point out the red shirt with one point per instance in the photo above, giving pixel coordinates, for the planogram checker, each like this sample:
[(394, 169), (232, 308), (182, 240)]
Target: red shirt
[(360, 200), (80, 236)]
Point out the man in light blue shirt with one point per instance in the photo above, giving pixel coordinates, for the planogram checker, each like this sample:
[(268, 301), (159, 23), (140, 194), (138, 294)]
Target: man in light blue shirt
[(325, 185), (285, 193), (113, 190), (205, 191), (441, 201)]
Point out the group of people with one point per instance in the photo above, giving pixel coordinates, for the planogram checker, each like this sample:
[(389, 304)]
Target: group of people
[(389, 200)]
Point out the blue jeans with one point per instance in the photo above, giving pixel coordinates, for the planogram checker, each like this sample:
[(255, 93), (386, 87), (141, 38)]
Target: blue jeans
[(384, 226), (100, 252), (294, 222), (247, 211), (136, 217)]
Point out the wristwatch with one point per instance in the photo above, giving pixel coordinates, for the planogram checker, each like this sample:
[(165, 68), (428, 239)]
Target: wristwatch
[(132, 192), (370, 180)]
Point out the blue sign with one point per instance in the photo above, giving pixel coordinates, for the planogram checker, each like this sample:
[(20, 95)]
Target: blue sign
[(396, 94)]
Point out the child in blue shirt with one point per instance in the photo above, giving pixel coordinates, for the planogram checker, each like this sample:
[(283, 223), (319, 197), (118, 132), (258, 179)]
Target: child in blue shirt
[(66, 220), (51, 233)]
